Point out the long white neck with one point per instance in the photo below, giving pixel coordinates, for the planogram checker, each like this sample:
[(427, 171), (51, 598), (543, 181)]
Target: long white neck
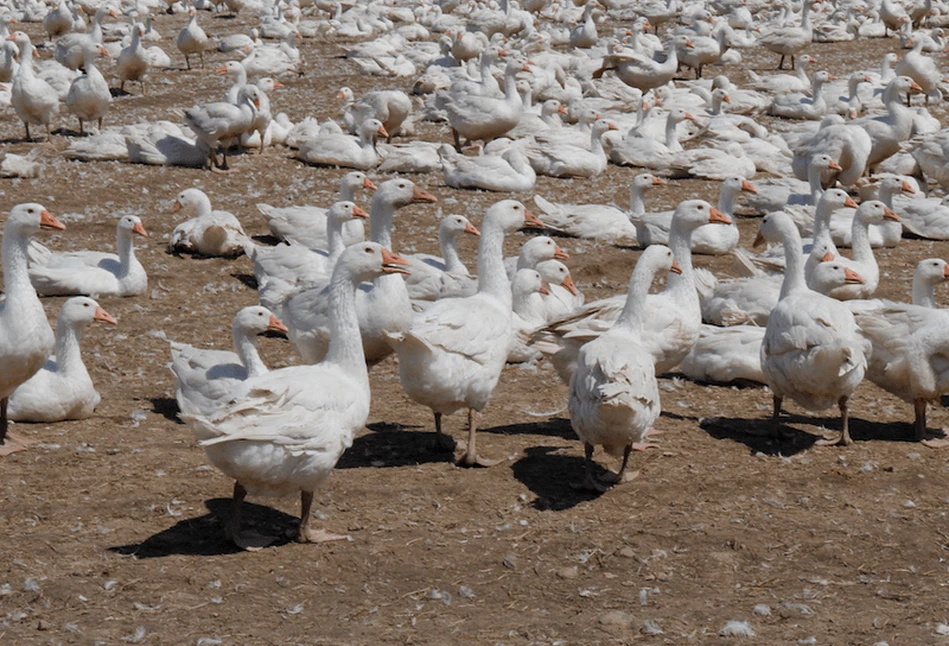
[(633, 315), (380, 221), (26, 60), (680, 241), (67, 350), (448, 243), (347, 193), (126, 249), (813, 180), (345, 347), (510, 85), (860, 242), (492, 278), (334, 239), (367, 138), (637, 199), (924, 292), (901, 118), (529, 306), (726, 200), (793, 261), (672, 138), (16, 277), (245, 345)]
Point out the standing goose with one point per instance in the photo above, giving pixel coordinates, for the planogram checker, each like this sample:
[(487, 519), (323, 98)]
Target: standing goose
[(614, 397), (89, 97), (26, 338), (192, 39), (812, 351), (292, 425), (33, 99), (450, 359), (62, 389), (642, 72), (221, 123), (790, 41), (70, 49), (132, 61)]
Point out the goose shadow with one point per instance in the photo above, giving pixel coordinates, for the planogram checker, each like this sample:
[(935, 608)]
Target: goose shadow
[(267, 239), (167, 407), (551, 476), (553, 427), (248, 280), (204, 535), (388, 445)]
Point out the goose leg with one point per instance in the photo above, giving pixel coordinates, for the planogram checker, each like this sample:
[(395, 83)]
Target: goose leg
[(453, 132), (307, 534), (844, 439), (9, 443), (27, 131), (442, 442), (471, 457), (250, 541), (781, 63), (621, 476), (776, 416), (590, 483), (793, 62), (931, 442)]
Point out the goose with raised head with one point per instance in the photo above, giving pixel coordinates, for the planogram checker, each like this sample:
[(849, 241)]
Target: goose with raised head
[(70, 49), (674, 315), (221, 123), (207, 379), (292, 425), (33, 99), (382, 307), (887, 132), (790, 41), (795, 105), (614, 396), (192, 39), (642, 72), (62, 389), (449, 359), (563, 297), (132, 62), (811, 351), (92, 273), (922, 69), (430, 277), (527, 291), (26, 339), (345, 150), (89, 97), (533, 252), (776, 194), (207, 232), (882, 234)]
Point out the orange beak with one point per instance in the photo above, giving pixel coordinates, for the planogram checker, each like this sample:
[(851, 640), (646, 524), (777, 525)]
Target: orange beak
[(277, 85), (906, 188), (851, 277), (340, 96), (850, 202), (568, 285), (827, 257), (393, 263), (359, 213), (689, 43), (256, 102), (48, 221), (470, 228), (560, 254), (526, 68), (689, 117), (366, 183), (675, 268), (611, 126), (727, 99), (140, 230), (561, 109), (274, 325), (748, 187), (543, 290), (834, 165), (422, 196), (716, 216), (888, 214), (531, 220), (658, 181), (914, 87), (105, 317), (176, 207), (945, 272), (382, 131)]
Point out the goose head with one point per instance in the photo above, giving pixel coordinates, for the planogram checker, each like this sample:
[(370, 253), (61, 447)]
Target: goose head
[(355, 180), (526, 282), (268, 84), (454, 225), (510, 215), (344, 211), (904, 85), (930, 272), (602, 126), (249, 94), (372, 128), (27, 219), (875, 211), (368, 260), (539, 249), (774, 228), (658, 258), (645, 181), (555, 272), (80, 311), (344, 96), (401, 192), (232, 69), (129, 224), (192, 202), (830, 275), (835, 198), (257, 320), (736, 184), (691, 214), (896, 184)]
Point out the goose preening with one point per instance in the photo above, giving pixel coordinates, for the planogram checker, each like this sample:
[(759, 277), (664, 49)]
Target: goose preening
[(62, 389), (206, 379), (811, 351), (449, 359), (288, 430), (92, 273), (614, 396), (206, 232), (26, 339)]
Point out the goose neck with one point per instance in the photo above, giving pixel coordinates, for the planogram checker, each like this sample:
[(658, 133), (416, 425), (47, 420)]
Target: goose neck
[(492, 277), (245, 345), (860, 241), (448, 243), (346, 192), (633, 315), (67, 347), (793, 260), (814, 181), (924, 292), (637, 199), (680, 241), (672, 137), (380, 221), (126, 249), (726, 200), (16, 276), (334, 240), (345, 346)]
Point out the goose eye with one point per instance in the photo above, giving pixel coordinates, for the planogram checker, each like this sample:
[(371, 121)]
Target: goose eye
[(368, 249)]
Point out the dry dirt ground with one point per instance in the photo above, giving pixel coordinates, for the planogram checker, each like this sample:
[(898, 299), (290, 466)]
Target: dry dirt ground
[(110, 525)]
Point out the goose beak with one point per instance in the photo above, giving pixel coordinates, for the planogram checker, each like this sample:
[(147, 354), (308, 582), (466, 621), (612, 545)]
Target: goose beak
[(393, 263), (176, 207), (560, 254), (546, 292), (359, 213), (340, 96), (906, 188), (850, 202), (221, 70), (945, 272), (888, 214), (112, 13), (831, 77), (382, 131), (689, 117), (827, 257), (851, 277), (569, 286), (716, 216), (422, 196), (675, 268), (11, 37), (367, 183), (759, 240), (658, 181), (526, 68), (689, 44), (277, 85), (914, 87), (834, 166), (470, 228), (561, 109), (274, 325), (748, 187), (611, 126), (531, 220), (49, 221), (140, 230), (105, 317), (256, 102), (727, 99)]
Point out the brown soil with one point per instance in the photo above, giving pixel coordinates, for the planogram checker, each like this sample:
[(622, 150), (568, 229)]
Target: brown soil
[(111, 529)]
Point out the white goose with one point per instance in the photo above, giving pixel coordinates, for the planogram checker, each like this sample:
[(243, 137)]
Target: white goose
[(306, 225), (795, 105), (206, 379), (527, 291), (62, 389), (33, 99), (92, 273), (790, 41), (221, 123), (926, 217), (343, 150), (811, 351), (566, 160), (614, 396), (287, 433), (89, 98), (481, 117), (132, 62), (26, 338), (449, 359), (641, 72), (533, 252), (430, 277), (506, 171), (206, 232), (563, 298), (383, 307), (70, 49), (192, 39)]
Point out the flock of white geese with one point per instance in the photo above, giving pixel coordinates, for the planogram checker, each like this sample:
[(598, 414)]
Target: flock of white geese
[(544, 88)]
